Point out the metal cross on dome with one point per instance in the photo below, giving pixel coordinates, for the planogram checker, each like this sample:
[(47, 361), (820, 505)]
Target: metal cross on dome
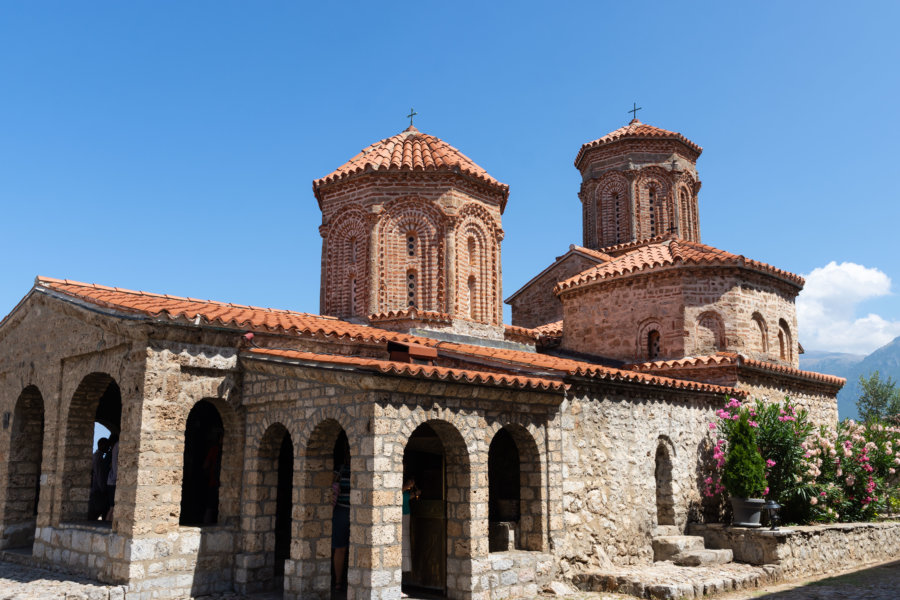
[(634, 110), (412, 113)]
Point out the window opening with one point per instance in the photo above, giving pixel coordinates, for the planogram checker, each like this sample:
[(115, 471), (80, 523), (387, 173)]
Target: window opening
[(472, 297), (411, 288), (411, 245), (653, 344), (652, 215), (203, 436)]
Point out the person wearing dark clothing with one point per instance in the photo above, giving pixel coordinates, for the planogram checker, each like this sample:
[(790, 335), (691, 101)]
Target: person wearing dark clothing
[(340, 521), (98, 502)]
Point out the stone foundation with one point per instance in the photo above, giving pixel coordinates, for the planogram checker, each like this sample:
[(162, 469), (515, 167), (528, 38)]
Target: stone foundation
[(809, 550)]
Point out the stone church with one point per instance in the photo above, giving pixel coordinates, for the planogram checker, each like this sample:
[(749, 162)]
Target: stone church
[(565, 440)]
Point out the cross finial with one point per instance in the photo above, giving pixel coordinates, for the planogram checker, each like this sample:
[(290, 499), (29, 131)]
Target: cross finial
[(410, 116), (634, 110)]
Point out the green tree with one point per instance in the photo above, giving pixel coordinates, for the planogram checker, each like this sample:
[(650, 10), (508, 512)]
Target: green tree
[(745, 472), (879, 399)]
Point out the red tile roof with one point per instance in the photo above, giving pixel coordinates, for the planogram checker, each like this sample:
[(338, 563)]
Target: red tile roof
[(667, 254), (422, 371), (410, 150), (636, 130), (551, 329), (192, 310), (593, 253), (734, 359)]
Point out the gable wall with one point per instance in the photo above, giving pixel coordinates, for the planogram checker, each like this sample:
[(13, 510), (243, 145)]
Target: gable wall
[(537, 304)]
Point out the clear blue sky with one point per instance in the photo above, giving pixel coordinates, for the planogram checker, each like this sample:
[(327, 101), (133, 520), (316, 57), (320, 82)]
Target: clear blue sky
[(170, 146)]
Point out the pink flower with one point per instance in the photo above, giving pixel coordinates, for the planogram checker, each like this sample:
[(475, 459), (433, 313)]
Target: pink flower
[(753, 423), (712, 425), (813, 500), (770, 462), (822, 493), (766, 491)]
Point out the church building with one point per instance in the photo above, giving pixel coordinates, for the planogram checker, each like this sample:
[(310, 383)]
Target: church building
[(563, 441)]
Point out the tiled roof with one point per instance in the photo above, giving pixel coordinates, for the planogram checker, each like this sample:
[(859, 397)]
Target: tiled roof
[(732, 358), (410, 150), (551, 329), (636, 130), (672, 253), (202, 312), (177, 308), (520, 332), (593, 253), (422, 371)]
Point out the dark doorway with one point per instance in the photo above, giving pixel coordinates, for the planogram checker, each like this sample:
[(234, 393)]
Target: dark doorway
[(203, 437), (423, 461), (665, 498), (340, 522), (283, 503), (504, 488)]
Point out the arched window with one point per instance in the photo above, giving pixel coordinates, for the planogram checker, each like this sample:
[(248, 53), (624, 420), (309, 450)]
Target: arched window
[(651, 195), (353, 296), (411, 289), (710, 333), (472, 297), (353, 250), (618, 211), (652, 344), (665, 497), (760, 341), (785, 343), (470, 246)]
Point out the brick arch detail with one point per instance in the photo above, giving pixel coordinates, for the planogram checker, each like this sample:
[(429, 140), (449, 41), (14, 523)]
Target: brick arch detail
[(399, 218), (710, 321), (604, 210), (643, 331), (484, 267), (663, 209), (761, 334), (342, 264)]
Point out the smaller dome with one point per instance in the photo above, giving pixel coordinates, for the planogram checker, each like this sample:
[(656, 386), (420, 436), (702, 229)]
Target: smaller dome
[(635, 130), (411, 150)]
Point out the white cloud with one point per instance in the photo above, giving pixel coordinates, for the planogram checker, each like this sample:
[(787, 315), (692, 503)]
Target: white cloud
[(826, 309)]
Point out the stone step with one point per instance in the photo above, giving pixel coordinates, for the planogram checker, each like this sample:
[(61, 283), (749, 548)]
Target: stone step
[(669, 546), (703, 558), (667, 530)]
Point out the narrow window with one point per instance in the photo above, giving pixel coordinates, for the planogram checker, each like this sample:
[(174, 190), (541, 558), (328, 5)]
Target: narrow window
[(353, 250), (411, 288), (653, 344), (618, 225), (353, 296), (472, 297), (411, 245), (652, 195), (471, 249)]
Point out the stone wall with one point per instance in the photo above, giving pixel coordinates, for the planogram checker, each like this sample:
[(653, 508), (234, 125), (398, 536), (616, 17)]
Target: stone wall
[(610, 444), (808, 550), (536, 304), (696, 312)]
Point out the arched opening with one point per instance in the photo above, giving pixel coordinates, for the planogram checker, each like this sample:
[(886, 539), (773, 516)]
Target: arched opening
[(665, 497), (504, 493), (785, 343), (323, 528), (204, 435), (652, 344), (710, 333), (26, 443), (760, 337), (424, 464), (96, 406), (652, 206)]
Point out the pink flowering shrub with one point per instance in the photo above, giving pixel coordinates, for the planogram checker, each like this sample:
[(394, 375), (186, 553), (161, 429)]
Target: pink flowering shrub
[(854, 466)]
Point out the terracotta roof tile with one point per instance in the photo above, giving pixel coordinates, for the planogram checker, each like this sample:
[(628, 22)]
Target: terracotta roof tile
[(594, 253), (671, 253), (551, 329), (239, 316), (410, 150), (635, 130), (732, 358), (423, 371)]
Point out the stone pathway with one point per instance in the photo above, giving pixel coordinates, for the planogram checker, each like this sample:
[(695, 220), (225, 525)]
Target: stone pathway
[(18, 582), (879, 582)]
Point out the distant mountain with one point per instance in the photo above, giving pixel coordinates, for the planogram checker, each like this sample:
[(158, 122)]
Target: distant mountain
[(885, 360)]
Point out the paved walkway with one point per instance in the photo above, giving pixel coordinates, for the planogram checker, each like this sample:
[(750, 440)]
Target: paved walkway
[(880, 582)]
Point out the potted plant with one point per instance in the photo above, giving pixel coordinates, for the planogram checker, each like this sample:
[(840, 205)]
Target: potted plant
[(744, 476)]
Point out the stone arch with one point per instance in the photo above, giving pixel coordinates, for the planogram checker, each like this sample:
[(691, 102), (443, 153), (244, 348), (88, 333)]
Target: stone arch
[(454, 572), (514, 455), (785, 341), (656, 213), (267, 526), (97, 399), (710, 334), (663, 476), (613, 210), (645, 337), (687, 213), (760, 333), (26, 445), (346, 260), (312, 518), (400, 219)]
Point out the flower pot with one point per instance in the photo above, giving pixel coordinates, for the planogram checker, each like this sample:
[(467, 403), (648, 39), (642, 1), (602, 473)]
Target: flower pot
[(746, 511)]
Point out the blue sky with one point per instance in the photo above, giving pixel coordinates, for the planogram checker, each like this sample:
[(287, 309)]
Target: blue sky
[(170, 147)]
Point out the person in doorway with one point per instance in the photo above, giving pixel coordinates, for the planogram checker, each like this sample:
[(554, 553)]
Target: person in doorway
[(98, 503), (410, 492), (113, 475), (340, 520)]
